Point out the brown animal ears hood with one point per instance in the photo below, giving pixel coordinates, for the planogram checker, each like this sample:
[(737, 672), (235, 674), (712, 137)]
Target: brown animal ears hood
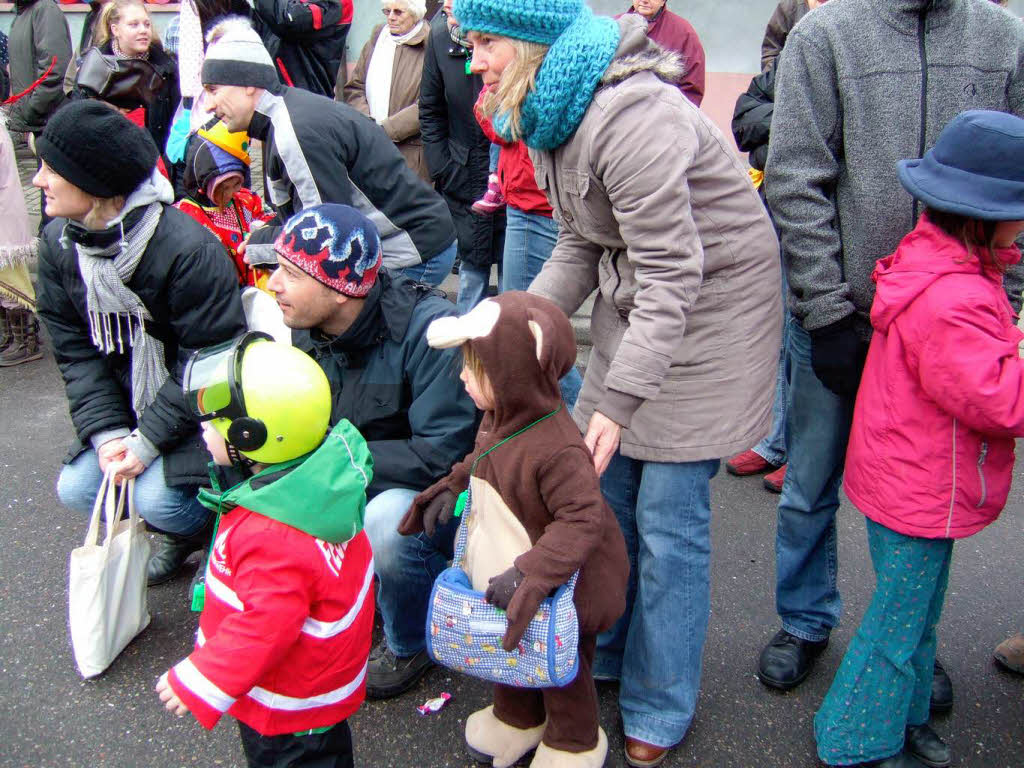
[(526, 345)]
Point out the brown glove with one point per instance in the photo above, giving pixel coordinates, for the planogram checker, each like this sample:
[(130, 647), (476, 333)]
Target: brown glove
[(432, 506), (521, 609), (500, 588)]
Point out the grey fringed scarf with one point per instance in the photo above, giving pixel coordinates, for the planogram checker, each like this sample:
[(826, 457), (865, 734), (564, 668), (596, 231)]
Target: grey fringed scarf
[(117, 317)]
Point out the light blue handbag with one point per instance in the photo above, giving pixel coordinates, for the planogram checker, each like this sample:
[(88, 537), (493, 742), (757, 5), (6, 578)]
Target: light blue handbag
[(464, 632)]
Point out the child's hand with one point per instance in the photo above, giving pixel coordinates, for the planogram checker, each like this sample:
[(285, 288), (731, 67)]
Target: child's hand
[(500, 588), (169, 697)]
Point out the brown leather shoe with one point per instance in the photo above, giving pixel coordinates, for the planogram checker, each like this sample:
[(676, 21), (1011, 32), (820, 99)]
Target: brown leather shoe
[(640, 754), (1010, 653)]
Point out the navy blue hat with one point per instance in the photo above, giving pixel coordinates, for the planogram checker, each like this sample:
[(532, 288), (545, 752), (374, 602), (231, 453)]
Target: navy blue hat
[(975, 169)]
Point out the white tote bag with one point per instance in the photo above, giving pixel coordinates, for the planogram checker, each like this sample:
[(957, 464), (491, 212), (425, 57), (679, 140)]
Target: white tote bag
[(107, 600)]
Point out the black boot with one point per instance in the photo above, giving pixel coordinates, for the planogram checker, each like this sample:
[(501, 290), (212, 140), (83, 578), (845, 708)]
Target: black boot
[(24, 333), (172, 551), (6, 337)]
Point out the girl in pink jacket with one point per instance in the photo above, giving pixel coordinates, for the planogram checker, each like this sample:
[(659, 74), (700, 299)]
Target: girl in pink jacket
[(931, 450)]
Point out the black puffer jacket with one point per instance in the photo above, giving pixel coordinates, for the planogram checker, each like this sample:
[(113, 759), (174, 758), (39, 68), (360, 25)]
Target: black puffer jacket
[(306, 39), (752, 119), (403, 396), (189, 287), (456, 149)]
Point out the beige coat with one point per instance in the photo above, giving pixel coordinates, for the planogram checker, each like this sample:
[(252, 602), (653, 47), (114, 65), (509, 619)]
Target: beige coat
[(403, 125), (658, 214)]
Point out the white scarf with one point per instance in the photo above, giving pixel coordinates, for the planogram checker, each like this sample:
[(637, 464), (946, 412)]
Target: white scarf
[(381, 68)]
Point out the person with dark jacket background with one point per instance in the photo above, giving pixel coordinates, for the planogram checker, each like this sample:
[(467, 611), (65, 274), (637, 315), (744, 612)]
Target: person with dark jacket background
[(674, 33), (367, 330), (128, 288), (306, 40), (40, 49), (85, 42), (458, 153), (847, 109), (787, 14), (317, 150)]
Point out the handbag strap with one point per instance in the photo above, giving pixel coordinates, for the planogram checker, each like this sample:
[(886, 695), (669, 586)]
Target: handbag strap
[(462, 536), (463, 510)]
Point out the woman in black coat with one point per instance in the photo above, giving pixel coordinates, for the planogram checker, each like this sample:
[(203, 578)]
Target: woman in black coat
[(125, 30), (128, 287), (457, 154)]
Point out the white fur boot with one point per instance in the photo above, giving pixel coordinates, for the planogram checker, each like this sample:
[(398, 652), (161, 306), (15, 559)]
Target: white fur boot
[(547, 757), (490, 739)]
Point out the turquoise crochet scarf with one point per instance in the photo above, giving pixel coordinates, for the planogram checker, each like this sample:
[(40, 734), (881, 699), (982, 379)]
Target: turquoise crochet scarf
[(565, 82)]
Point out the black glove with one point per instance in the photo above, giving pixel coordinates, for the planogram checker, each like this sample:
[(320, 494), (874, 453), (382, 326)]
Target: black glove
[(439, 511), (837, 356), (500, 588)]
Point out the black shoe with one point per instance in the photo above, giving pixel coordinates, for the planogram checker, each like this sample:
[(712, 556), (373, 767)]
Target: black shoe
[(924, 744), (787, 660), (172, 551), (901, 760), (942, 689), (388, 675)]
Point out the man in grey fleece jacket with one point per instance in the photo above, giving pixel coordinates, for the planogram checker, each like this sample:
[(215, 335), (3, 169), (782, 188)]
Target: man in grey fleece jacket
[(861, 85)]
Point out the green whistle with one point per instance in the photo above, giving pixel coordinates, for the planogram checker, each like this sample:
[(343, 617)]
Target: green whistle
[(460, 503)]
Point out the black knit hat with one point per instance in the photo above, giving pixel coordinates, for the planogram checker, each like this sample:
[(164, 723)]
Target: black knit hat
[(97, 149)]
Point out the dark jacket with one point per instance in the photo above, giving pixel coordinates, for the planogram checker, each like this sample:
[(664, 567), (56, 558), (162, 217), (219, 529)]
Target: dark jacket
[(305, 39), (160, 114), (785, 17), (457, 151), (190, 289), (40, 42), (339, 155), (848, 108), (404, 397), (752, 118)]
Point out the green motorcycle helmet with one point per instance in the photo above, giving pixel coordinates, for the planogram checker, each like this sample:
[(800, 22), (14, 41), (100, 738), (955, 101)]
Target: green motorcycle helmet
[(269, 400)]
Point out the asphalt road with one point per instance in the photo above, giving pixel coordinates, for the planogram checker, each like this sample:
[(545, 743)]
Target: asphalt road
[(51, 717)]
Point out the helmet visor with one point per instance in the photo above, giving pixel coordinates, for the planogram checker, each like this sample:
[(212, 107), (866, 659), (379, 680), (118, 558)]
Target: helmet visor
[(212, 383)]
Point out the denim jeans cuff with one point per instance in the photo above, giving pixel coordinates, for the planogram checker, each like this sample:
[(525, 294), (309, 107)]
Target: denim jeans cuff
[(403, 650), (651, 729), (811, 637), (772, 457)]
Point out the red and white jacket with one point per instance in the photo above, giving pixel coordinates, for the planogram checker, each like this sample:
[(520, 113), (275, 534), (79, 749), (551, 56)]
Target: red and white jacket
[(285, 632)]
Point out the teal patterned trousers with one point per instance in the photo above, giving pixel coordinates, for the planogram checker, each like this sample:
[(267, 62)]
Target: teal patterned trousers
[(884, 683)]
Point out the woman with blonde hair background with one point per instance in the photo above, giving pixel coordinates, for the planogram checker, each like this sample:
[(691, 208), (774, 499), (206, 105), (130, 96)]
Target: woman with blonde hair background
[(126, 31), (658, 214), (385, 83)]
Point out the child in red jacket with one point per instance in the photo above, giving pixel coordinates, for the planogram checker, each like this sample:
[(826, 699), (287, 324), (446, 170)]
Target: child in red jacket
[(284, 636), (931, 450)]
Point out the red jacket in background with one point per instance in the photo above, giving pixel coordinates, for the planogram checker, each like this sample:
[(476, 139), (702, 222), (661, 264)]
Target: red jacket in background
[(672, 31), (516, 174), (941, 400), (284, 636)]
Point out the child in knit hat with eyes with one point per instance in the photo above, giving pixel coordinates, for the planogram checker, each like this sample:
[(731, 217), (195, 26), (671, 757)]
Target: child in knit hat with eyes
[(537, 517), (218, 197)]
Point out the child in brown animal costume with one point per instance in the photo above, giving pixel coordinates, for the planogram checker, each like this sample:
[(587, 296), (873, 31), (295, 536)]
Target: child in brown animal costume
[(537, 517)]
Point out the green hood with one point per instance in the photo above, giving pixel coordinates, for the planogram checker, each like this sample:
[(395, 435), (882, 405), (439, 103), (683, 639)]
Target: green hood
[(322, 494)]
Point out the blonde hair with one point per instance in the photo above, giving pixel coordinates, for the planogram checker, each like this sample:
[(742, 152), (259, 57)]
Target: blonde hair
[(517, 81), (103, 210), (112, 12)]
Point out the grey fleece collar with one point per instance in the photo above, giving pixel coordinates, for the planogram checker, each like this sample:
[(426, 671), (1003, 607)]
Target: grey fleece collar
[(904, 15)]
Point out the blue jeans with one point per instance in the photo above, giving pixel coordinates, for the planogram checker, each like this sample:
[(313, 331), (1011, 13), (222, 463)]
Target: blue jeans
[(492, 156), (885, 681), (529, 240), (473, 284), (655, 649), (406, 567), (172, 509), (806, 561), (773, 447), (433, 271)]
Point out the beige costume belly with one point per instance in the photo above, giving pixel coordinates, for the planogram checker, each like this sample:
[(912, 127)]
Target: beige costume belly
[(495, 536)]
